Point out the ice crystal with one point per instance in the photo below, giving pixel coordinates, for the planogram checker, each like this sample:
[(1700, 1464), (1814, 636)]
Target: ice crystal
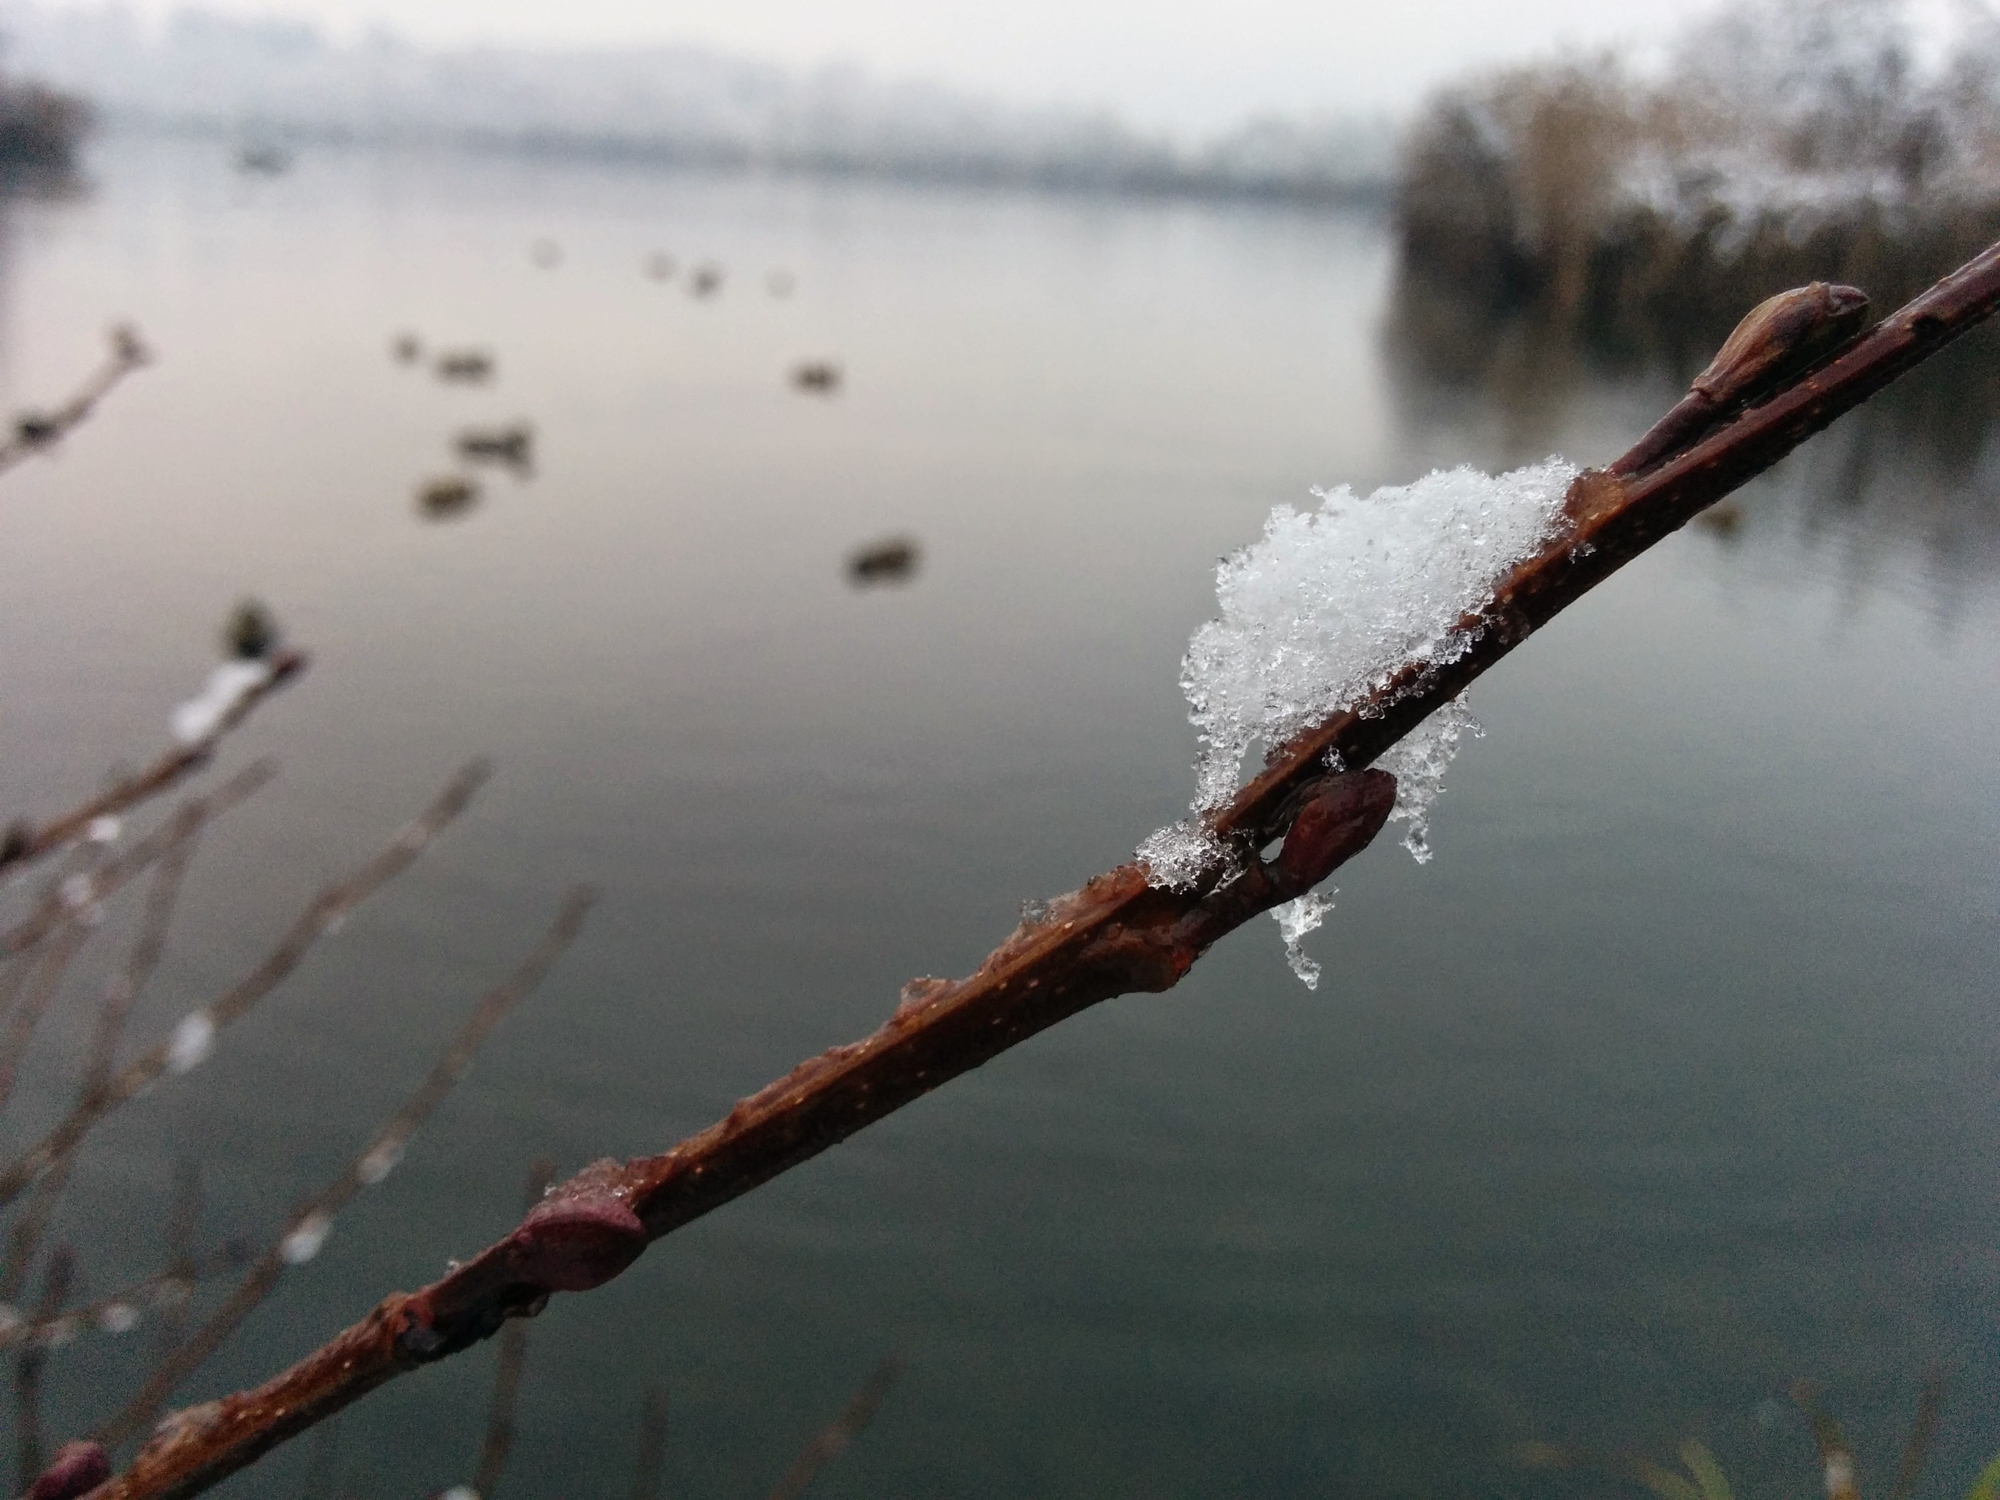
[(379, 1162), (1418, 761), (103, 830), (1178, 855), (1295, 920)]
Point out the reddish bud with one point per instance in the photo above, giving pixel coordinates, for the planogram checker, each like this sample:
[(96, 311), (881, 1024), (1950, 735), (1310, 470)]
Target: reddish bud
[(1334, 826), (78, 1469), (581, 1235)]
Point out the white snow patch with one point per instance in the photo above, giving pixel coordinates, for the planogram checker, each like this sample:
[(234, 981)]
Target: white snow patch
[(103, 830), (1418, 761), (192, 1041), (379, 1162), (118, 1317), (304, 1242), (202, 715), (1295, 920)]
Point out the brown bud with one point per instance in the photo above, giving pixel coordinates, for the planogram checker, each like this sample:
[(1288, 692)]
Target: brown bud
[(78, 1469), (1347, 812), (580, 1236)]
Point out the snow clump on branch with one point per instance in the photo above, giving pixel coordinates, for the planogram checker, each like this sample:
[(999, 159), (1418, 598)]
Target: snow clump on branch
[(1325, 610)]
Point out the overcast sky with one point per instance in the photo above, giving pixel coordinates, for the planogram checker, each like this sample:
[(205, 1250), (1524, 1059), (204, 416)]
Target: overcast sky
[(1185, 64)]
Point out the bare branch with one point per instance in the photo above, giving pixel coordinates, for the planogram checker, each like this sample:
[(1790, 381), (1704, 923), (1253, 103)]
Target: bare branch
[(118, 1312), (54, 962), (833, 1439), (499, 1443), (652, 1460), (310, 1223), (121, 992), (56, 1282), (1116, 935), (37, 432), (197, 1031), (63, 897), (24, 842)]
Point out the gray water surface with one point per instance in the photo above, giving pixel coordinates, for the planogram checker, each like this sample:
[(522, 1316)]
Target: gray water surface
[(1670, 1080)]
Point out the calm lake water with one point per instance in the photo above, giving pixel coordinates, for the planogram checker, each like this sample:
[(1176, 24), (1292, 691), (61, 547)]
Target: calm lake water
[(1669, 1081)]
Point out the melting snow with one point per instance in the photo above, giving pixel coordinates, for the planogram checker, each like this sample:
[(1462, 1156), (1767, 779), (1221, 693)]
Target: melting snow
[(303, 1243), (192, 1041)]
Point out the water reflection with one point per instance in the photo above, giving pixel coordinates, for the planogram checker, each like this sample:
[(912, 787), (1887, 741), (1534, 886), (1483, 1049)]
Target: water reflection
[(1918, 466)]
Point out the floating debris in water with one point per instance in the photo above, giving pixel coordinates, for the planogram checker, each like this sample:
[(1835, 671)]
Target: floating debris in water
[(512, 445), (1724, 519), (660, 266), (546, 254), (471, 366), (780, 283), (705, 280), (820, 376), (263, 161), (406, 349), (445, 497), (891, 561)]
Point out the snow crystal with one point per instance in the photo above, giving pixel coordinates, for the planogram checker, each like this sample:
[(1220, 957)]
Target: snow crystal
[(103, 830), (1178, 855), (1332, 603), (1295, 920), (118, 1317), (1418, 761), (192, 1041), (1328, 607), (303, 1243), (379, 1162), (227, 686)]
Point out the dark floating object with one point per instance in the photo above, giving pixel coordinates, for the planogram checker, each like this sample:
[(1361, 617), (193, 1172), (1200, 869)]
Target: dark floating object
[(660, 266), (780, 283), (821, 376), (263, 161), (406, 349), (446, 497), (513, 445), (469, 365), (891, 561), (705, 280), (250, 633), (545, 253), (1725, 519)]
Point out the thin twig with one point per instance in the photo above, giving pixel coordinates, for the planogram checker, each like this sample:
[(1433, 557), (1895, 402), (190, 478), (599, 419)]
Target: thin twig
[(196, 1033), (36, 999), (41, 431), (28, 1368), (1923, 1432), (166, 1290), (310, 1223), (1116, 935), (65, 896), (25, 842), (499, 1443), (121, 992), (833, 1439), (652, 1461), (180, 1275)]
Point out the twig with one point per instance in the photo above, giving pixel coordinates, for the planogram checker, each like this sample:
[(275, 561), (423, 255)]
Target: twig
[(121, 992), (25, 842), (1115, 935), (499, 1441), (38, 432), (28, 1368), (652, 1460), (1923, 1432), (195, 1035), (310, 1223), (64, 896), (119, 1312), (180, 1276), (35, 1001), (837, 1434)]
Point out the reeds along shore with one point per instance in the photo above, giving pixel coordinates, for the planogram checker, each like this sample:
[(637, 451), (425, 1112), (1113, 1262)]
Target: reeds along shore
[(1633, 220)]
